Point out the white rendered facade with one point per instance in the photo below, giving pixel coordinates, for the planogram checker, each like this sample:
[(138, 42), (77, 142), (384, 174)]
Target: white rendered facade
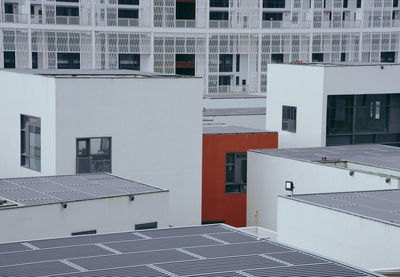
[(302, 31), (150, 139)]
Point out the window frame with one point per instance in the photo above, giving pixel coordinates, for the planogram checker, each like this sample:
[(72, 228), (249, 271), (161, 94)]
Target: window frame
[(25, 127), (237, 169), (88, 155), (289, 123)]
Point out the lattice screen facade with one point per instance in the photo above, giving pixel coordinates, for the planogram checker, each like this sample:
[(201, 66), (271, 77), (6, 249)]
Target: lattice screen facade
[(251, 32)]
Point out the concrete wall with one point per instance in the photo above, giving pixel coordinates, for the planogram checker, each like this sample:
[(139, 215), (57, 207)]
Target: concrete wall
[(351, 239), (266, 176), (29, 95), (156, 130), (117, 214), (250, 121), (299, 86)]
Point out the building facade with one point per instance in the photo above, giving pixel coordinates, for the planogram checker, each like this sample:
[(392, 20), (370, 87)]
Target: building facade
[(228, 42)]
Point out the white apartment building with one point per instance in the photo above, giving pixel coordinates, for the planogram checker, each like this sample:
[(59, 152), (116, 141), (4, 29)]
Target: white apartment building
[(228, 42), (134, 126)]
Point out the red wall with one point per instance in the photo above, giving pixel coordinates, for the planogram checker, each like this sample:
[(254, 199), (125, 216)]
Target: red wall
[(216, 204)]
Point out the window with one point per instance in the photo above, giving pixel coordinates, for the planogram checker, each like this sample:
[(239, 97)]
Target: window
[(185, 10), (317, 57), (273, 3), (128, 2), (237, 63), (144, 226), (276, 58), (375, 109), (67, 11), (219, 15), (89, 232), (289, 115), (129, 61), (225, 63), (387, 57), (127, 13), (219, 3), (34, 60), (224, 80), (68, 61), (236, 173), (9, 59), (93, 155), (272, 16), (185, 64), (345, 4), (359, 4), (395, 3), (30, 142), (342, 57)]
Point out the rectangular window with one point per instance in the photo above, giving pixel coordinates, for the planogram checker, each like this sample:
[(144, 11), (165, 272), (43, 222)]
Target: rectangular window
[(343, 57), (237, 63), (185, 64), (345, 4), (225, 63), (30, 142), (128, 2), (68, 61), (67, 11), (236, 172), (219, 15), (9, 59), (219, 3), (224, 80), (273, 3), (359, 4), (388, 57), (395, 3), (129, 61), (185, 10), (276, 58), (272, 16), (34, 60), (82, 233), (93, 155), (289, 116), (317, 57), (128, 13), (144, 226)]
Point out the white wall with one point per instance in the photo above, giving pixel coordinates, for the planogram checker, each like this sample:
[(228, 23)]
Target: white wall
[(299, 86), (250, 121), (156, 130), (351, 239), (29, 95), (266, 176), (117, 214)]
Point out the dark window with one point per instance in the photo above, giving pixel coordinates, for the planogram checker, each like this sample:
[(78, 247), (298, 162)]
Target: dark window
[(237, 80), (34, 60), (30, 142), (219, 3), (93, 155), (144, 226), (8, 8), (388, 57), (219, 15), (395, 3), (289, 118), (68, 61), (127, 13), (345, 3), (185, 64), (272, 16), (9, 59), (276, 58), (317, 57), (273, 3), (128, 2), (89, 232), (359, 3), (185, 10), (343, 57), (67, 11), (68, 1), (212, 222), (225, 63), (129, 61), (236, 172), (237, 63), (224, 80)]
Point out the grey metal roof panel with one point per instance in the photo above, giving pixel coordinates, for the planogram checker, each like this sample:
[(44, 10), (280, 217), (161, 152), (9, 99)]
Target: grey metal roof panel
[(31, 191), (381, 205), (234, 111), (230, 129), (376, 155), (211, 250)]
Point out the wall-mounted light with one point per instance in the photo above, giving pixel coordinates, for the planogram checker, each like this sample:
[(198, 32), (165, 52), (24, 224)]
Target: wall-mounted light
[(289, 186), (131, 197), (351, 172), (64, 205), (387, 180)]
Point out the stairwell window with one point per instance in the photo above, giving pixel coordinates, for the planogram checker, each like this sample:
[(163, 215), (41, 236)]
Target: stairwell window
[(30, 142), (289, 118)]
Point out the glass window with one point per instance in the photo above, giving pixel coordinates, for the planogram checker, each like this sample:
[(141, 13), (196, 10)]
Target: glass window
[(93, 155), (9, 59), (225, 63), (289, 115), (273, 3), (236, 172), (219, 3), (30, 142), (68, 61), (129, 61)]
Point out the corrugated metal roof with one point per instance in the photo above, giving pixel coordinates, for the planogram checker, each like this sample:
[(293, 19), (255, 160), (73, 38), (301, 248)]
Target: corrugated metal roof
[(376, 155), (210, 250), (381, 205), (31, 191), (230, 129)]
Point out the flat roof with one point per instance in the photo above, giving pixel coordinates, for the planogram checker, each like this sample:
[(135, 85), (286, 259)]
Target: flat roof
[(208, 250), (94, 73), (231, 129), (376, 155), (234, 111), (379, 205), (32, 191), (340, 64)]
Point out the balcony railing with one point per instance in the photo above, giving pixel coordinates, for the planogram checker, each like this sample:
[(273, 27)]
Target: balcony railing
[(234, 89), (278, 24), (337, 24), (67, 20), (14, 18), (90, 165), (128, 22), (185, 23), (219, 24)]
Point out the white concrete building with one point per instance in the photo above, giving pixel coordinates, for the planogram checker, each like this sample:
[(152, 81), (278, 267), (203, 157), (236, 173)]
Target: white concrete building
[(315, 170), (324, 105), (57, 206), (135, 126), (246, 117), (229, 42), (358, 228)]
